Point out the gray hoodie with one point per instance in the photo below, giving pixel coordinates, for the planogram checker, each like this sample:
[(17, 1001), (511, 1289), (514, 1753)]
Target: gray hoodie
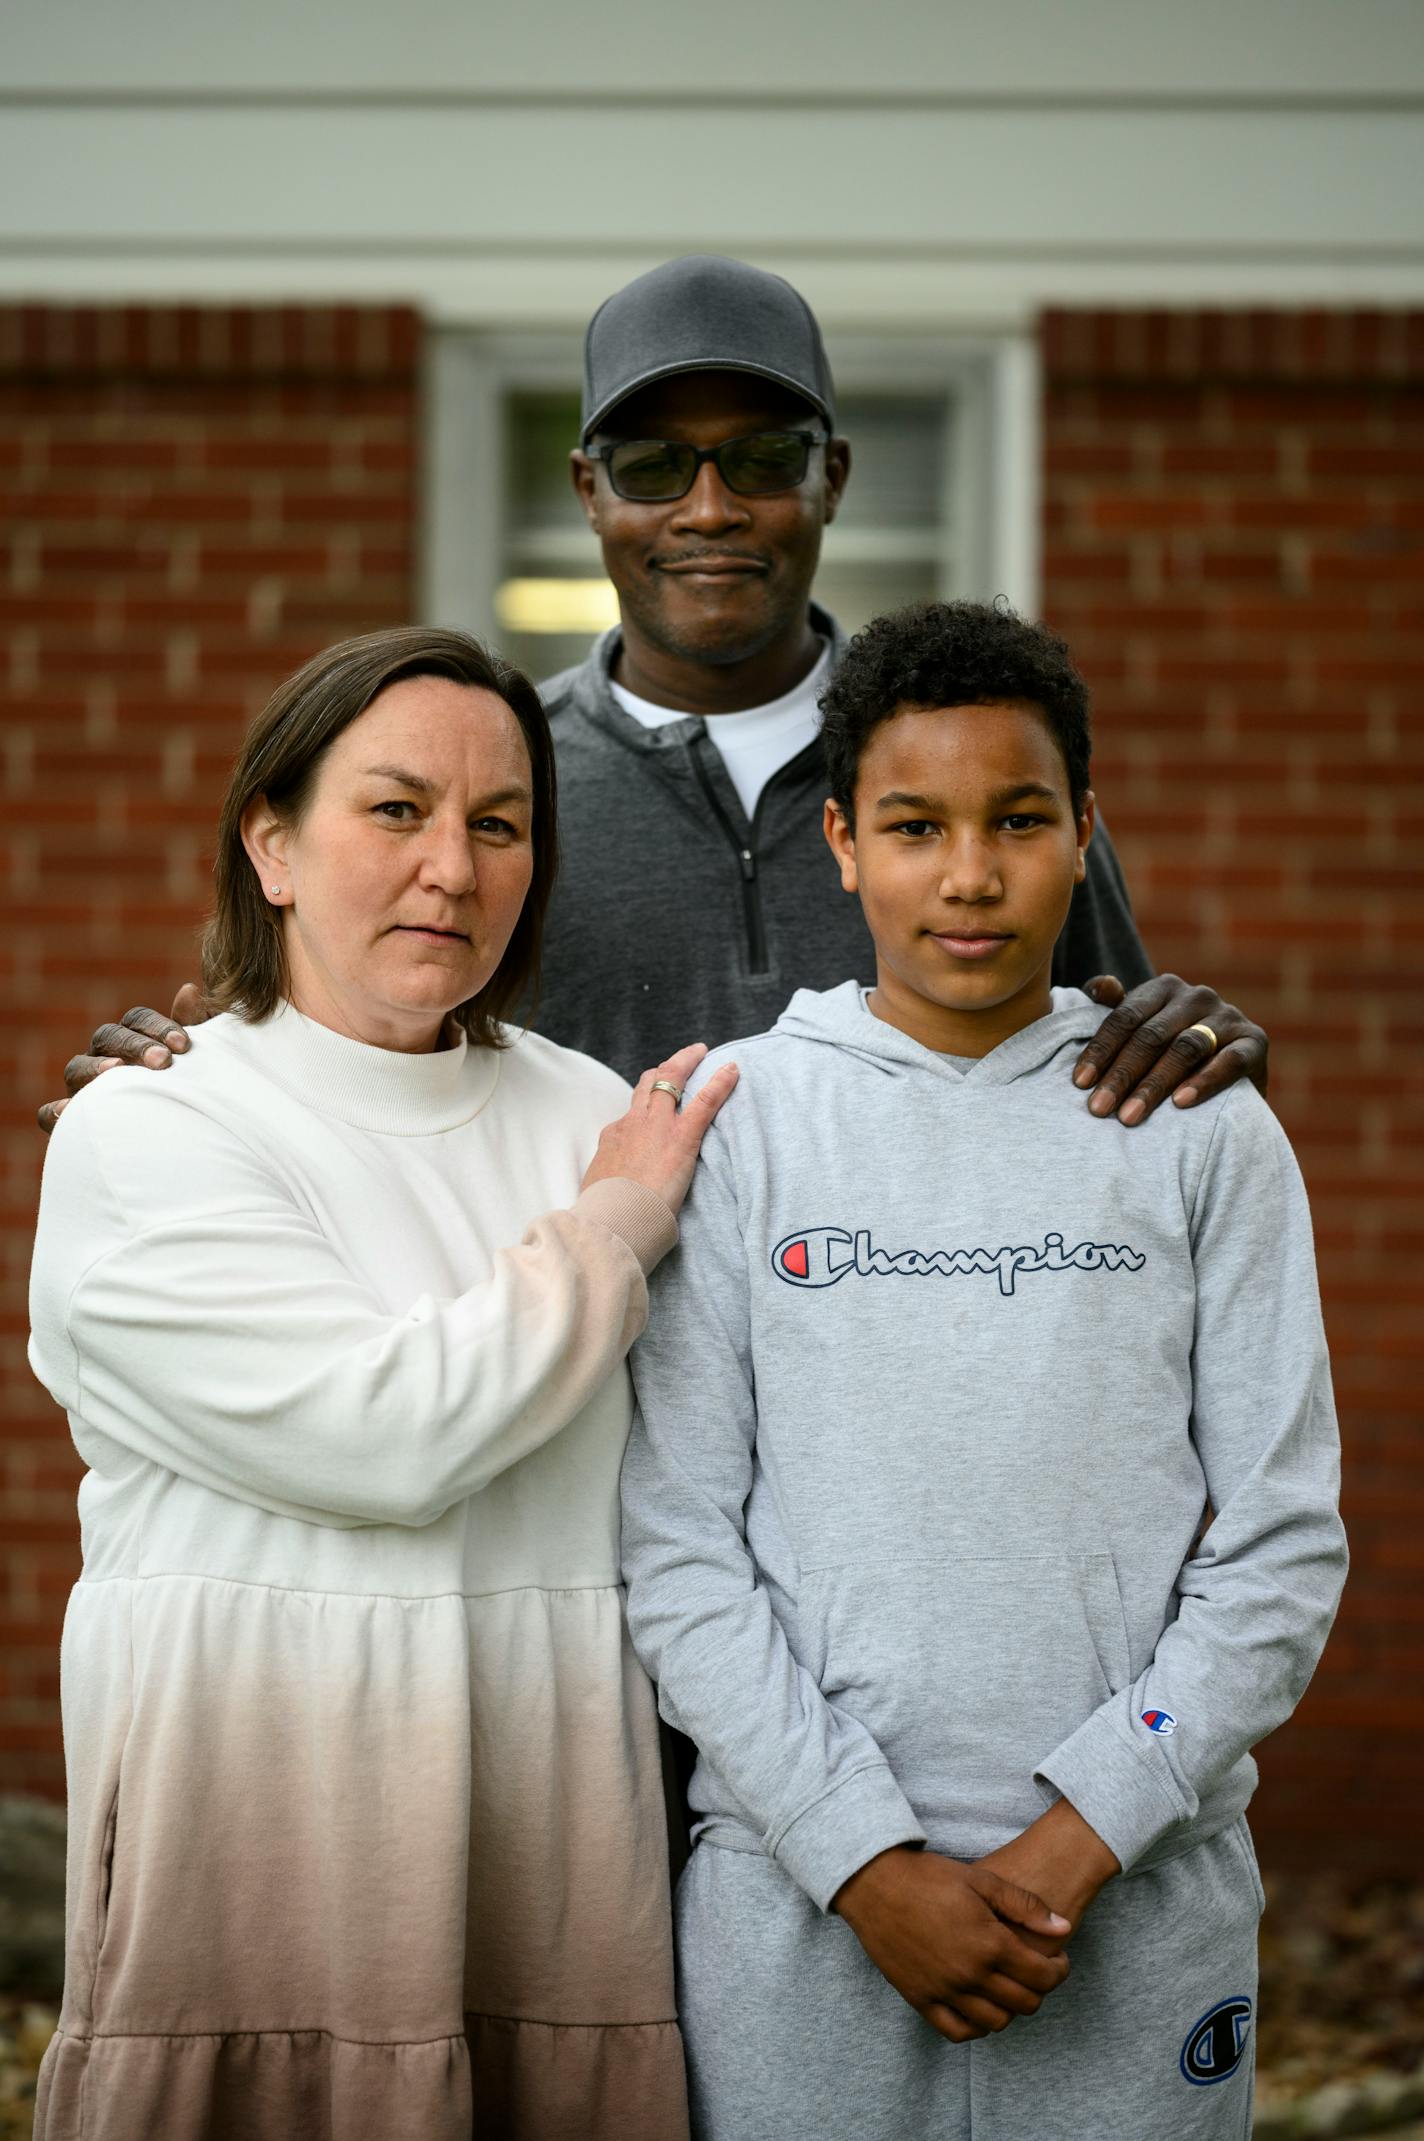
[(933, 1398)]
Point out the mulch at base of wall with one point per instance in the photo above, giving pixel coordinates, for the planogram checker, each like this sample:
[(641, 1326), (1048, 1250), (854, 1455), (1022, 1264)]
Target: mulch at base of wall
[(1341, 2044)]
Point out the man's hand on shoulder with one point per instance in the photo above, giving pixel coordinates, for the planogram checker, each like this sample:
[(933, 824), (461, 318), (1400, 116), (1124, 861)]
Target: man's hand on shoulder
[(1166, 1037), (141, 1037)]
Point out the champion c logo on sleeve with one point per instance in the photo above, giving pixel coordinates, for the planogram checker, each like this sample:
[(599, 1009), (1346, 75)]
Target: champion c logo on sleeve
[(1160, 1721), (1216, 2044)]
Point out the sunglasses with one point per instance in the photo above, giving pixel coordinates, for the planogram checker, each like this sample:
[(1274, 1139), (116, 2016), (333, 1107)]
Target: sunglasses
[(652, 471)]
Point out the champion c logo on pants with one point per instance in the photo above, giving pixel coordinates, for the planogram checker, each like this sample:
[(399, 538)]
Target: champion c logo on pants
[(1216, 2045)]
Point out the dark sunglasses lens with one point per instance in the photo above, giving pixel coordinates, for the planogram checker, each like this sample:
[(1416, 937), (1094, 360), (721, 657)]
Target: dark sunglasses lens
[(776, 461), (651, 468)]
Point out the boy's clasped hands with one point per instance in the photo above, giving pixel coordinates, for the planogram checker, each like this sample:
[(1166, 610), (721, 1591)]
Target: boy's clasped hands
[(972, 1946)]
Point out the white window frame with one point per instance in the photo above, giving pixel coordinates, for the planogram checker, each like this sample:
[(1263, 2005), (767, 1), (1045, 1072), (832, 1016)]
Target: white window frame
[(989, 542)]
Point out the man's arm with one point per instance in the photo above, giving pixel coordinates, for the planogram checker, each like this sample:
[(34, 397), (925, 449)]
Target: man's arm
[(1149, 1048)]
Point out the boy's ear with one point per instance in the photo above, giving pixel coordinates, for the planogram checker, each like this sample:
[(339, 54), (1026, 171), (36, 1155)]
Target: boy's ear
[(1087, 819), (841, 842)]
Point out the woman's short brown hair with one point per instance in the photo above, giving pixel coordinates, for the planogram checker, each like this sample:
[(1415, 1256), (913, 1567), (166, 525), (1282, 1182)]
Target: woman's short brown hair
[(244, 964)]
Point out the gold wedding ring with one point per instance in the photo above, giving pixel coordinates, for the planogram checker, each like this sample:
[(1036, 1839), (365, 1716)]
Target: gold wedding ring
[(665, 1085), (1201, 1026)]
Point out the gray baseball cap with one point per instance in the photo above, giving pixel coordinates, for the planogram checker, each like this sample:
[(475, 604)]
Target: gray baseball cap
[(702, 314)]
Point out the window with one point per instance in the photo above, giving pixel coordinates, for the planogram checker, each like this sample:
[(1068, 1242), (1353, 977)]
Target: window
[(942, 498)]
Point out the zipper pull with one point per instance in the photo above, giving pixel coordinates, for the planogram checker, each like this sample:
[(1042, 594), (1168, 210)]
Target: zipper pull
[(748, 864)]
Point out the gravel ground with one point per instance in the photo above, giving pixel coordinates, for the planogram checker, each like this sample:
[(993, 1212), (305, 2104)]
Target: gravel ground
[(25, 2030), (1341, 2043)]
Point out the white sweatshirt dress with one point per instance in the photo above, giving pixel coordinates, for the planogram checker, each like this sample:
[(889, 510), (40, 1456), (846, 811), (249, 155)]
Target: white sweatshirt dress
[(367, 1827)]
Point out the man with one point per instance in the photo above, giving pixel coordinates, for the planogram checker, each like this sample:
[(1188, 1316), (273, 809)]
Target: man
[(696, 892)]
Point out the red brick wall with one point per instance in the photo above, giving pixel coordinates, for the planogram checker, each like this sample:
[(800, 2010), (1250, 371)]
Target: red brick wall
[(1234, 545), (193, 502)]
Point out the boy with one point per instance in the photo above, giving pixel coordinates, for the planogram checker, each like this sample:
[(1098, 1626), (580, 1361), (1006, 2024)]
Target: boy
[(933, 1402)]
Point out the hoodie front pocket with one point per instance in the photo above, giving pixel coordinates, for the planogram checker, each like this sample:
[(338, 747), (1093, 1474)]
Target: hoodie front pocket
[(969, 1672)]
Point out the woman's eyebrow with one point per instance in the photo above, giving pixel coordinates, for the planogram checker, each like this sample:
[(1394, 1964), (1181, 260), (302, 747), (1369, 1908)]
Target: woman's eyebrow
[(516, 792), (398, 773)]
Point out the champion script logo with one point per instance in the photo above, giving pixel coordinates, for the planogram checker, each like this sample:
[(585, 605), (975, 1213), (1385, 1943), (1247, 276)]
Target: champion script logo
[(823, 1256)]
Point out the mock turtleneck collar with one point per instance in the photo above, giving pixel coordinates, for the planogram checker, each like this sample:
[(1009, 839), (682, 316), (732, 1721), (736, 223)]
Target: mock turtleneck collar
[(378, 1089)]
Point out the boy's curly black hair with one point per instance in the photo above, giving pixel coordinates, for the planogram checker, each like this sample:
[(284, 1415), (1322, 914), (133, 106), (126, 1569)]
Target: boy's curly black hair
[(951, 654)]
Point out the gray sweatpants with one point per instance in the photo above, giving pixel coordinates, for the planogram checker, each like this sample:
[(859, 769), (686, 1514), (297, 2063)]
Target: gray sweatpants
[(792, 2034)]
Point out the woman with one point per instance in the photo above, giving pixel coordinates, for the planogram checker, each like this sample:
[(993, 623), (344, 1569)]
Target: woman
[(367, 1824)]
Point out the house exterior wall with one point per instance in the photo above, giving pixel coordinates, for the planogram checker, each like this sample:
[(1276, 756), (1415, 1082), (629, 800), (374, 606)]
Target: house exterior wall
[(240, 250), (1234, 547), (1233, 540), (193, 502)]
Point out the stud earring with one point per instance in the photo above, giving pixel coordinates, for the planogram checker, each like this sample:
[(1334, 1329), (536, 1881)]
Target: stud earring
[(276, 891)]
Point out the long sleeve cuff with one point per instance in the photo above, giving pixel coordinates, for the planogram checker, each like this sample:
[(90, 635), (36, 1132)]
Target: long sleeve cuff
[(843, 1831), (637, 1215), (1126, 1793)]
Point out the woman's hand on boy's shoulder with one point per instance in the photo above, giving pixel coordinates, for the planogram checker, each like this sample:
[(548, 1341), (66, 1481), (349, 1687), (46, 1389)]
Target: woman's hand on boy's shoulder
[(1167, 1038), (964, 1945), (657, 1140)]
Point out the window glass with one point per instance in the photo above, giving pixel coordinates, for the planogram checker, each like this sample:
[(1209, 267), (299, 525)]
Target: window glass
[(554, 598), (889, 543)]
